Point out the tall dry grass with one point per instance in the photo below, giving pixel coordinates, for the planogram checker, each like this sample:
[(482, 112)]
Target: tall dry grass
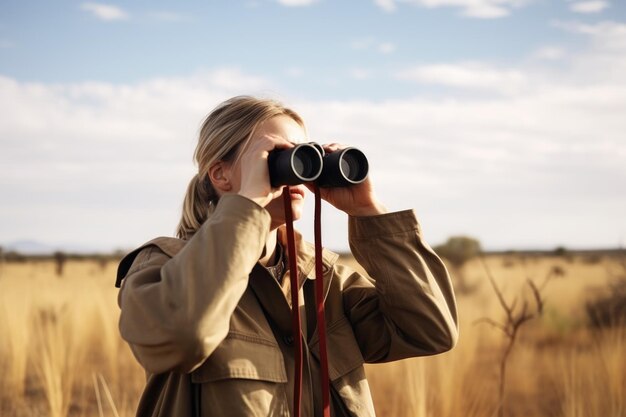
[(61, 354), (16, 314), (57, 334), (592, 382), (559, 367)]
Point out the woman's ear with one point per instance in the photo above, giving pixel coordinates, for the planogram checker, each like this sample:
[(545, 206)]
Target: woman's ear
[(220, 178)]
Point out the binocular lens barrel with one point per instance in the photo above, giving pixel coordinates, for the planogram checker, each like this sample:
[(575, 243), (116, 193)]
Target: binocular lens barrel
[(344, 167), (307, 162), (302, 163)]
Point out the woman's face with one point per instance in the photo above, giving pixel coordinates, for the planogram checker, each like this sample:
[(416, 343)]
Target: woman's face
[(289, 129)]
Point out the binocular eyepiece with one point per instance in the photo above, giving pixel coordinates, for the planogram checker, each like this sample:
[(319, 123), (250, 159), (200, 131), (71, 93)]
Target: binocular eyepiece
[(307, 162)]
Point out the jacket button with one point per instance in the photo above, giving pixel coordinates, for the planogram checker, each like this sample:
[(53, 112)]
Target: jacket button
[(288, 339)]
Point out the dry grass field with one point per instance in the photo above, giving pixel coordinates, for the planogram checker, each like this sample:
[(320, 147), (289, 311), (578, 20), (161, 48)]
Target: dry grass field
[(61, 355)]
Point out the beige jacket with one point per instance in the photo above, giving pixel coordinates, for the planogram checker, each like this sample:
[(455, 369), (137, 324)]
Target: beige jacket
[(204, 314)]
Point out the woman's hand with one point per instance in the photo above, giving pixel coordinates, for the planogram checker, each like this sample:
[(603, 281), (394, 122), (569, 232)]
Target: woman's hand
[(255, 177), (355, 200)]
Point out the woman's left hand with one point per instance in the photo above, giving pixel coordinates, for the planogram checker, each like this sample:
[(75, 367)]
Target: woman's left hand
[(355, 200)]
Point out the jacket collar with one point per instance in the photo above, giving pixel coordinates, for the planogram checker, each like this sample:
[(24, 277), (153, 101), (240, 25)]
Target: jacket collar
[(306, 254)]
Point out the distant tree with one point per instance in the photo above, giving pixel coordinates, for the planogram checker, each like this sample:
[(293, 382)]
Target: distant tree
[(59, 259), (458, 250), (1, 259), (560, 251)]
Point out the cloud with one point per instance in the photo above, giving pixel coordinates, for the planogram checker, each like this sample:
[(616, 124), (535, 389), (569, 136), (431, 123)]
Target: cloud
[(593, 6), (549, 53), (387, 5), (606, 35), (483, 9), (539, 166), (104, 150), (467, 75), (106, 12), (488, 166), (370, 43), (296, 3)]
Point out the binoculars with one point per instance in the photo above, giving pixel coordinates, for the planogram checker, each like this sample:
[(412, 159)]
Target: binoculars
[(307, 162)]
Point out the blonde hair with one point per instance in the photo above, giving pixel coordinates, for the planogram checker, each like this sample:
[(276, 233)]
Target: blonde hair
[(225, 131)]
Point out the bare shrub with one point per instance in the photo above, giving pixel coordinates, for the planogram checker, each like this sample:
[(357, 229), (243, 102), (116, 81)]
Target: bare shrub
[(608, 308), (515, 318)]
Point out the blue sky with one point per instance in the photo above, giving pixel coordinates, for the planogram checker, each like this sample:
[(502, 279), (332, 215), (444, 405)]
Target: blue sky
[(501, 119), (324, 42)]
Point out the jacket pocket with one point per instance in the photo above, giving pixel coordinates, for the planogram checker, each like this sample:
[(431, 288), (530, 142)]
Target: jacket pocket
[(344, 354), (243, 356), (345, 370), (245, 376)]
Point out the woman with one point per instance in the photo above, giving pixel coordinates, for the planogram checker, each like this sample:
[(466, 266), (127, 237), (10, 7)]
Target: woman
[(208, 314)]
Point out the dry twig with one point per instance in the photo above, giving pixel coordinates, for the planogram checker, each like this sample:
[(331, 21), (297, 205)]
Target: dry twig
[(514, 319)]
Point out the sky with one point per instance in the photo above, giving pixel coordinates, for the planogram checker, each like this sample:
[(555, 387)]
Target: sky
[(504, 120)]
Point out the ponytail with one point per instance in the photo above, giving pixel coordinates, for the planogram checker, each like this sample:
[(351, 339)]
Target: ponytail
[(199, 197)]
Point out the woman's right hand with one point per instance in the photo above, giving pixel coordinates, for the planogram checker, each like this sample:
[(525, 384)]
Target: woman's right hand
[(255, 177)]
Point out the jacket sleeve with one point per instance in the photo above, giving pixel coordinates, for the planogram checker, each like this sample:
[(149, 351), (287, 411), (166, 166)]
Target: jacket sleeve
[(408, 308), (175, 311)]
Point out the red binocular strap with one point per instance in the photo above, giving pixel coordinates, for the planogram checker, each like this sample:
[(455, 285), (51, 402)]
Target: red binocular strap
[(319, 304)]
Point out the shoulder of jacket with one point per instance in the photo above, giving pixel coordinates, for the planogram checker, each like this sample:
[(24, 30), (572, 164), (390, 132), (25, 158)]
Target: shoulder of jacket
[(170, 246)]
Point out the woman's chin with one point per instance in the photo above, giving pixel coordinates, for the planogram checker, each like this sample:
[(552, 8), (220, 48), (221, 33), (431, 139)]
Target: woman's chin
[(277, 211)]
